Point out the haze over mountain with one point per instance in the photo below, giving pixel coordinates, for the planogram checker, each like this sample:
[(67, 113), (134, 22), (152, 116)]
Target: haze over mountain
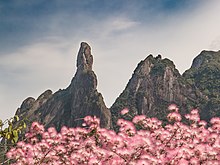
[(154, 85)]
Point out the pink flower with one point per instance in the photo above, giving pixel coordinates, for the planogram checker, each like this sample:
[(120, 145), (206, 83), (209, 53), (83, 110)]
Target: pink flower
[(194, 161), (202, 123), (173, 107), (215, 120), (194, 112), (176, 143), (174, 116), (124, 111), (183, 162), (138, 118)]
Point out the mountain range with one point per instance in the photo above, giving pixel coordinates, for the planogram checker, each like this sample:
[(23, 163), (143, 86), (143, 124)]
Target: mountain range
[(154, 85)]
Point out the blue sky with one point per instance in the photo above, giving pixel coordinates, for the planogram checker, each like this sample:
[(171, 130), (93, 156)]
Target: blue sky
[(39, 41)]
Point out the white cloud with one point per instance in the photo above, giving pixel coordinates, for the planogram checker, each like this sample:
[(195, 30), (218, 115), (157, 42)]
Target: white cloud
[(215, 44), (179, 38), (118, 24), (48, 64)]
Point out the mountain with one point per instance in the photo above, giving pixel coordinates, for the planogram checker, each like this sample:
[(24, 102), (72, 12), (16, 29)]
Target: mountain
[(69, 106), (154, 85), (204, 74)]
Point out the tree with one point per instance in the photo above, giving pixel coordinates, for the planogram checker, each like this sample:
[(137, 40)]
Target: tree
[(141, 141), (9, 134)]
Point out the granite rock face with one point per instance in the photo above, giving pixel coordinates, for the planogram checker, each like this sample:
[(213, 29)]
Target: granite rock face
[(154, 85), (69, 106)]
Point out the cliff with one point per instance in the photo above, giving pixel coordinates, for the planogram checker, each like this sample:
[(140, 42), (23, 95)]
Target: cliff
[(154, 85), (69, 106)]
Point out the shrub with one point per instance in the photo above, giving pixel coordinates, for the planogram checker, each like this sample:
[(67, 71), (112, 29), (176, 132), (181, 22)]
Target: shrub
[(151, 143)]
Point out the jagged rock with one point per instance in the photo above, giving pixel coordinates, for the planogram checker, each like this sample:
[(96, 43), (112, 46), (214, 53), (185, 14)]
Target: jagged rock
[(84, 59), (154, 85), (69, 106), (30, 105), (27, 104)]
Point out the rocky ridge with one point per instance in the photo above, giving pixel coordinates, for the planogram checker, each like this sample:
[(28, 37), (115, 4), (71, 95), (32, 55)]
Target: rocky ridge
[(154, 85), (69, 106)]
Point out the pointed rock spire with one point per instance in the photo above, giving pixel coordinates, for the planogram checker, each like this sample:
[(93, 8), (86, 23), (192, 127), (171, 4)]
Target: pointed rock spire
[(69, 106), (84, 58)]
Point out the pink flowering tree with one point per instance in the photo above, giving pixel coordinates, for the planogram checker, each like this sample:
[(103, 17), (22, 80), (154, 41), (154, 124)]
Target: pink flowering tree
[(151, 143)]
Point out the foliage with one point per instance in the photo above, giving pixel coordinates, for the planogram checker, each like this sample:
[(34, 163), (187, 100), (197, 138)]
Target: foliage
[(175, 143), (160, 66), (205, 75), (11, 133), (10, 130)]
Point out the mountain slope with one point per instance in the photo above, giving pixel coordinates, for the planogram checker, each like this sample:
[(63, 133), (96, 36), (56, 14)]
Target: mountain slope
[(154, 85), (204, 74)]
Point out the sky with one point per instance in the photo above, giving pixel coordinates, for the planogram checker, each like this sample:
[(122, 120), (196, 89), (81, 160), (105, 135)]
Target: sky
[(39, 41)]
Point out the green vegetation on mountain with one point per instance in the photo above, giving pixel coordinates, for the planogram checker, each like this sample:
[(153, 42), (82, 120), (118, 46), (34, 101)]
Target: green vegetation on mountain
[(204, 74)]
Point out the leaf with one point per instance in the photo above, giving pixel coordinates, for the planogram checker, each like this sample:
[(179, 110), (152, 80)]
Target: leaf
[(10, 128), (16, 117), (6, 130), (24, 125), (14, 140), (1, 123), (15, 136), (20, 128), (15, 133), (8, 135)]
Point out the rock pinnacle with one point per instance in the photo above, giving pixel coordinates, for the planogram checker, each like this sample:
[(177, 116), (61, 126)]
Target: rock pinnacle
[(84, 58)]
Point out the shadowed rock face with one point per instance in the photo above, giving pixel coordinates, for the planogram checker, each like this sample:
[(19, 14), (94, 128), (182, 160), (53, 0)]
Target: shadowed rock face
[(69, 106)]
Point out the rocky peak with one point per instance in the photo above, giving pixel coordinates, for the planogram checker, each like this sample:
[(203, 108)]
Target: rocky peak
[(144, 67), (45, 96), (69, 106), (206, 57), (85, 78), (204, 74), (154, 84), (30, 105), (84, 58), (154, 67), (27, 104)]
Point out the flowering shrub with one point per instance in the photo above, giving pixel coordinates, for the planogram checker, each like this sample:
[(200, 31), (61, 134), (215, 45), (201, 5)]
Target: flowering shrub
[(152, 143)]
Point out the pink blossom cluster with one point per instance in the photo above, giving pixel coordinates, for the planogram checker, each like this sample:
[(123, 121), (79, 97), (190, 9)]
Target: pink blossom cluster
[(142, 141)]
